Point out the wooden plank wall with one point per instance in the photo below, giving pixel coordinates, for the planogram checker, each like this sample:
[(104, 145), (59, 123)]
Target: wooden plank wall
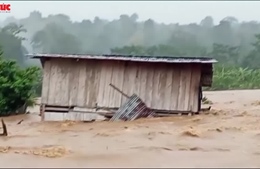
[(86, 82)]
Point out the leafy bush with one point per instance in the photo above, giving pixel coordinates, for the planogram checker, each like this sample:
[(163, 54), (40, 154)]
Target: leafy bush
[(16, 86)]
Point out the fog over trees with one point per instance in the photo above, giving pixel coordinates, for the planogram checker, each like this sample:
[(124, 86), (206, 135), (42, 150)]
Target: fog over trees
[(232, 42)]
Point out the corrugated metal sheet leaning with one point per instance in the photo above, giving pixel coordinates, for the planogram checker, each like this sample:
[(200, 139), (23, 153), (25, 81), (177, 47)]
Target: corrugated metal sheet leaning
[(133, 109)]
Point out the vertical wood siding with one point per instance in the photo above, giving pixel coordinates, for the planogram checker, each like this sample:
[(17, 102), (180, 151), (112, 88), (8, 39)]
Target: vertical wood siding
[(85, 83)]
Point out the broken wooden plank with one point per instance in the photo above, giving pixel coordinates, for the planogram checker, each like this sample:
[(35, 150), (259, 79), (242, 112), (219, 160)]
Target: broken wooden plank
[(5, 133), (119, 91)]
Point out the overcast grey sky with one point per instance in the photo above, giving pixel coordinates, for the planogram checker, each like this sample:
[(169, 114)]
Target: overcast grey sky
[(160, 11)]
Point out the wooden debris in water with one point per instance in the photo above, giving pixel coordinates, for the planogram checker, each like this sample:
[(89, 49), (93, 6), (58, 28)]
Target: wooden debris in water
[(5, 133), (20, 121)]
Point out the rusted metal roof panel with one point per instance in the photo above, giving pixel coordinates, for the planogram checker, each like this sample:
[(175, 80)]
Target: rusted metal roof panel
[(133, 109), (166, 59)]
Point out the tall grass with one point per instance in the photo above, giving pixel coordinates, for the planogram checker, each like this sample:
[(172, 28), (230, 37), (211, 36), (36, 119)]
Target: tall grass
[(226, 78)]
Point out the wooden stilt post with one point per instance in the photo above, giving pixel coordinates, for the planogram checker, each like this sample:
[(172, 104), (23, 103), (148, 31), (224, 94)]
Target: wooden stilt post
[(42, 111)]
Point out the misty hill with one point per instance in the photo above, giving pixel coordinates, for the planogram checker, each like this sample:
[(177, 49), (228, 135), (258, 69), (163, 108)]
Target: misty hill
[(58, 34)]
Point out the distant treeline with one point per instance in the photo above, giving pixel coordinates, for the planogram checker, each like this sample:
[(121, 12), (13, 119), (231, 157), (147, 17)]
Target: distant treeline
[(236, 45)]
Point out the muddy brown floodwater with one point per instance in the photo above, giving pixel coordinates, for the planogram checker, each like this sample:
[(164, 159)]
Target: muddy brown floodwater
[(226, 136)]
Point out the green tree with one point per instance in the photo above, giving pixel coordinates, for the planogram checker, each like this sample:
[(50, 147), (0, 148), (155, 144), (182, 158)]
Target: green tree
[(186, 43), (11, 42), (53, 39), (129, 50), (253, 58), (225, 54), (16, 86), (207, 22)]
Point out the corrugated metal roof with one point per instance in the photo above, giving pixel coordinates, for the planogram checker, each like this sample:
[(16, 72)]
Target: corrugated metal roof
[(167, 59), (133, 109)]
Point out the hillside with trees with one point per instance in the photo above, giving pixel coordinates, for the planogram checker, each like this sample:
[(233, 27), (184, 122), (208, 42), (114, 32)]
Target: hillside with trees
[(235, 44)]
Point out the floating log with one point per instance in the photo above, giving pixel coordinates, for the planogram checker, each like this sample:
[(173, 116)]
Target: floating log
[(5, 133)]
